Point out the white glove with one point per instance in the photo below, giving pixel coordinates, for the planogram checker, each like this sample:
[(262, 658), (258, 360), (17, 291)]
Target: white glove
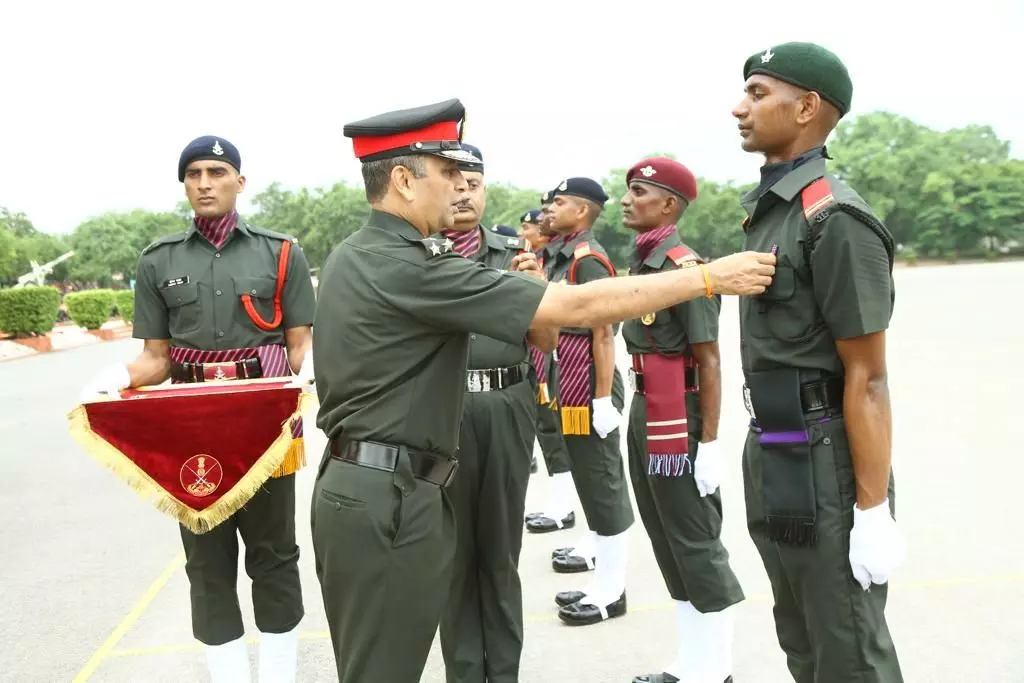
[(708, 468), (108, 383), (305, 377), (606, 417), (877, 547)]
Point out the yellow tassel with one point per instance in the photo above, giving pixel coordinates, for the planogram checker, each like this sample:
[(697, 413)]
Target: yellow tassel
[(576, 420), (197, 521)]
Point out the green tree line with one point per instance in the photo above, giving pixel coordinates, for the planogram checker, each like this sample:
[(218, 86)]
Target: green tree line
[(944, 194)]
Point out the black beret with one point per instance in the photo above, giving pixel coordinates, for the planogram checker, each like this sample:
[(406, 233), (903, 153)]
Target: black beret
[(431, 129), (476, 167), (546, 198), (808, 66), (504, 230), (582, 187), (531, 216), (208, 147)]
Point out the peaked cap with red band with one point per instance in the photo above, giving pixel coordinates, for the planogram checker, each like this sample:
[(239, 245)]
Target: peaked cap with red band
[(667, 174), (431, 129)]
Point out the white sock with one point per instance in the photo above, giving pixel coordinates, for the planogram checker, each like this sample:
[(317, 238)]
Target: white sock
[(561, 496), (610, 573), (684, 638), (228, 663), (709, 650), (586, 546), (278, 653)]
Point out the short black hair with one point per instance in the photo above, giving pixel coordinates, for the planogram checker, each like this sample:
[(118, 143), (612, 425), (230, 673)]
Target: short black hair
[(377, 174)]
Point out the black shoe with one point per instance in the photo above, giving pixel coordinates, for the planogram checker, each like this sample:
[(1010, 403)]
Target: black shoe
[(582, 614), (664, 677), (568, 597), (532, 515), (559, 552), (533, 465), (543, 525), (571, 564)]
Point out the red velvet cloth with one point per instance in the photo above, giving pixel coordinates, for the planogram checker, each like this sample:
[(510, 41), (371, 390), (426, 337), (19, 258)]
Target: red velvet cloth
[(665, 397), (164, 431)]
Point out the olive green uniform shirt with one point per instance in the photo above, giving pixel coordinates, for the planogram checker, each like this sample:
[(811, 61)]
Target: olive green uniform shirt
[(393, 324), (558, 260), (496, 251), (845, 288), (673, 329), (189, 292)]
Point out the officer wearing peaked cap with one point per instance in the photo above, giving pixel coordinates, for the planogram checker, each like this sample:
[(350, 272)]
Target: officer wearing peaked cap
[(205, 305), (816, 464), (674, 462), (396, 309)]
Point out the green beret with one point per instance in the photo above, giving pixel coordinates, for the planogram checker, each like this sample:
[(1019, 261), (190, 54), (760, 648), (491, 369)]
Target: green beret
[(808, 66)]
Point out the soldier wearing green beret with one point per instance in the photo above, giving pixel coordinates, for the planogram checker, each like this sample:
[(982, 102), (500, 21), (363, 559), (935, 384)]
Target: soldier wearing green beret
[(817, 469)]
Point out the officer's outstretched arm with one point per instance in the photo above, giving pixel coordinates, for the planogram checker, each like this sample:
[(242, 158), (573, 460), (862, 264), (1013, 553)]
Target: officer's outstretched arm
[(616, 299)]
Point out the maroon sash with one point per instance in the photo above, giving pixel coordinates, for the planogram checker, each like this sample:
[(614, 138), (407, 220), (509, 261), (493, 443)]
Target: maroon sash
[(667, 431)]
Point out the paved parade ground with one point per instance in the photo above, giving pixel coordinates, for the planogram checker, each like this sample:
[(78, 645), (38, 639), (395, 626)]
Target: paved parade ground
[(93, 586)]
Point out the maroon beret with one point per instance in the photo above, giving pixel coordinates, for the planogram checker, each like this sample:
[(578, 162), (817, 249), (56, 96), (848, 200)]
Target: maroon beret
[(667, 174)]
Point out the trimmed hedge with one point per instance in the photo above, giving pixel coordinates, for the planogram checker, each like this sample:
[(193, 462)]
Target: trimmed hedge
[(124, 301), (91, 308), (28, 311)]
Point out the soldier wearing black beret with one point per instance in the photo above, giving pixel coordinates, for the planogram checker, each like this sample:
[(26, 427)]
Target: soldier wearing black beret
[(816, 464), (396, 310), (227, 298), (590, 401)]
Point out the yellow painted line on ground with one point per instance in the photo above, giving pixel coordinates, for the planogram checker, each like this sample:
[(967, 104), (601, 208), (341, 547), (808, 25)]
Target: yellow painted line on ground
[(553, 615), (121, 629)]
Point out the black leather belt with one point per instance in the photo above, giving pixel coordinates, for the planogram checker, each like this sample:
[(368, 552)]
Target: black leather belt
[(636, 380), (435, 469), (249, 368), (493, 379), (823, 394)]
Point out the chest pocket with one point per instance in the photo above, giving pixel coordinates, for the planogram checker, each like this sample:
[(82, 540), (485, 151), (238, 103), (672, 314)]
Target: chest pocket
[(261, 291), (183, 308), (786, 310)]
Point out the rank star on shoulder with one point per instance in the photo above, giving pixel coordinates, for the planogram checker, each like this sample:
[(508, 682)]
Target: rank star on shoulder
[(448, 244)]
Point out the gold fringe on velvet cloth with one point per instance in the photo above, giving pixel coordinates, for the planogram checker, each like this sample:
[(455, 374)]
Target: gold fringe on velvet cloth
[(575, 420), (294, 459), (284, 453)]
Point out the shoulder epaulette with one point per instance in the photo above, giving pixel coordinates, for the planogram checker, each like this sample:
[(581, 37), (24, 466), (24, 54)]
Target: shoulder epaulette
[(817, 199), (167, 239), (582, 251), (683, 256), (271, 233), (435, 246)]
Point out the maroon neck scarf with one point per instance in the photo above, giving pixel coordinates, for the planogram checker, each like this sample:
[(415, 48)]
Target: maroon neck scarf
[(217, 230), (465, 243), (647, 242)]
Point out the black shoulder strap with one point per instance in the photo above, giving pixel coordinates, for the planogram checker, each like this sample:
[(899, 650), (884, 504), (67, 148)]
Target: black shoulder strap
[(819, 203)]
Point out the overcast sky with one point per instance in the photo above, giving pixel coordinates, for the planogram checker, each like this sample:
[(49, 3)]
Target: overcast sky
[(100, 97)]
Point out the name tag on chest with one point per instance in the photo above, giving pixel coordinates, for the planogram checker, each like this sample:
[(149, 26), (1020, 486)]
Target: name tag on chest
[(175, 281)]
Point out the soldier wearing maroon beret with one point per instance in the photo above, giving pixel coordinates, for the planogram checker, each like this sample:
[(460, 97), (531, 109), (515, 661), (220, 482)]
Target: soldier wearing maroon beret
[(674, 461)]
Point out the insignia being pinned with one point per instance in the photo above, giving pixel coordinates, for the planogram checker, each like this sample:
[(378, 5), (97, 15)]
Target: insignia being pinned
[(767, 56), (217, 149), (648, 318), (648, 171)]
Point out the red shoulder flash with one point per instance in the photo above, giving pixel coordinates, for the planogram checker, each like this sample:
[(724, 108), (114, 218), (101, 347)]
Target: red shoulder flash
[(816, 197), (681, 255)]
